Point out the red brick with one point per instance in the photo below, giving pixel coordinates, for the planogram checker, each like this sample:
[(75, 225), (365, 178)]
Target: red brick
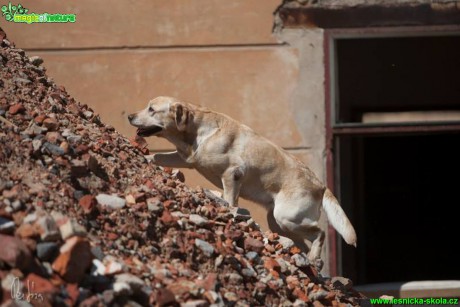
[(74, 260), (16, 108), (87, 203), (14, 252)]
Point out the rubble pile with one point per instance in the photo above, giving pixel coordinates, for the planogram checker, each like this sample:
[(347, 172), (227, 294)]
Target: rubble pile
[(86, 221)]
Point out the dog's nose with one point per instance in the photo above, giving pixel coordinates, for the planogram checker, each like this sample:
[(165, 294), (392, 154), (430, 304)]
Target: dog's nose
[(131, 117)]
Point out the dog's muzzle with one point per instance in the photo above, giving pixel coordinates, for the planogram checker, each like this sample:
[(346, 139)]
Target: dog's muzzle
[(144, 132)]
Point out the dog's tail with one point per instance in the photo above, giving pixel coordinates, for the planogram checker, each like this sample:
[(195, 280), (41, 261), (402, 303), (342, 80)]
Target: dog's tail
[(338, 218)]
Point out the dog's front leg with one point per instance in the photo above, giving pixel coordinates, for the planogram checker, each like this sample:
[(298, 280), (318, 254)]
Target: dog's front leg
[(168, 159), (231, 182)]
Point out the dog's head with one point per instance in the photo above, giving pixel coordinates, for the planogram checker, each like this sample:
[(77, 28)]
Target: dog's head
[(162, 115)]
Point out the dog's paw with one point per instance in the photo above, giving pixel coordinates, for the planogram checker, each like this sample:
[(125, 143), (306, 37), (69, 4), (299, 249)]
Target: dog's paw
[(150, 158)]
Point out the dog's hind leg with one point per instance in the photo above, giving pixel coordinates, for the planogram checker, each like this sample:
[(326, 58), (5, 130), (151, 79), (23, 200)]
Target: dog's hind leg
[(231, 182), (299, 215), (316, 236)]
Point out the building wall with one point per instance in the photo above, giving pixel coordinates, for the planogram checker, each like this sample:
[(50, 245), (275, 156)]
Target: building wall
[(220, 54)]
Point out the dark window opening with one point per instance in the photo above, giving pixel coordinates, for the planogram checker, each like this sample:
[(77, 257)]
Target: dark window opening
[(397, 74), (405, 207)]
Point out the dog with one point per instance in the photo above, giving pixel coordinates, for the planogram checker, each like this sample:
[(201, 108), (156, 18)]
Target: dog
[(242, 163)]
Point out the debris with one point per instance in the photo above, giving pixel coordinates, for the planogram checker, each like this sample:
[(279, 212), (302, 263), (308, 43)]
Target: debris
[(111, 201), (74, 259), (205, 247), (14, 252)]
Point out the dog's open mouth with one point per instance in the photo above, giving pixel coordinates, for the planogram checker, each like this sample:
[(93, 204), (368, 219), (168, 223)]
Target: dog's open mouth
[(148, 131)]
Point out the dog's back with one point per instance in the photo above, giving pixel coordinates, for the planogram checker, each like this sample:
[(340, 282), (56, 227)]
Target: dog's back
[(272, 170)]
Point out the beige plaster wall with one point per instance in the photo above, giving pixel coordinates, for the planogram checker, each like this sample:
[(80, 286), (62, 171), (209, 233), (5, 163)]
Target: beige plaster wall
[(127, 23)]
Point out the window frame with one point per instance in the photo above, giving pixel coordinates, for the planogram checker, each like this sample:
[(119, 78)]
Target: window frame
[(335, 129)]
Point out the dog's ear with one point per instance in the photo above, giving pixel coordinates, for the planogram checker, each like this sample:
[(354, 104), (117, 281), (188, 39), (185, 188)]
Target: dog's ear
[(182, 117)]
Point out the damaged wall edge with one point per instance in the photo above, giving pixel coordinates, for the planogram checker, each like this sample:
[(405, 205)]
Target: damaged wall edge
[(292, 15)]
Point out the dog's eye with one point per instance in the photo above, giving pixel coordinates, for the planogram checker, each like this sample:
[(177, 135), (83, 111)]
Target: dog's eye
[(151, 110)]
